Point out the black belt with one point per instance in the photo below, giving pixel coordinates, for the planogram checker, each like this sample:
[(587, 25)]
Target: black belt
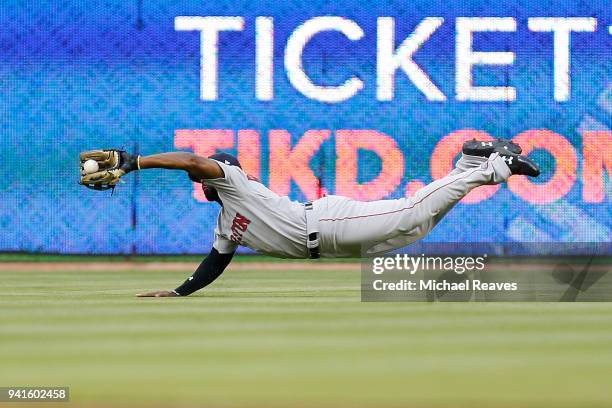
[(312, 229)]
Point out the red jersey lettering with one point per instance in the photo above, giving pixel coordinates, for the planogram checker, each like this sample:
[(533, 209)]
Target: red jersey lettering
[(239, 226)]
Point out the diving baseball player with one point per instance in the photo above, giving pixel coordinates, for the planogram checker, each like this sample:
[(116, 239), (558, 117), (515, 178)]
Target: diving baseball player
[(254, 216)]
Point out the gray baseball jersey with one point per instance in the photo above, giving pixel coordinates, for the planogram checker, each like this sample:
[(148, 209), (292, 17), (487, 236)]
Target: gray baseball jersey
[(254, 216)]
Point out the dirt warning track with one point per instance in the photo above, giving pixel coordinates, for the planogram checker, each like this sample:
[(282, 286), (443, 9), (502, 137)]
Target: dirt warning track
[(170, 266), (255, 265)]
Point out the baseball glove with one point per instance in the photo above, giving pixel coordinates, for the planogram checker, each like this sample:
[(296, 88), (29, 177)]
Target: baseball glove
[(112, 165)]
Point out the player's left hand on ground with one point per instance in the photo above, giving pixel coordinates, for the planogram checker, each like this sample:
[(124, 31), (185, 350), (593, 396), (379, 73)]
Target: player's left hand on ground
[(102, 169), (158, 293)]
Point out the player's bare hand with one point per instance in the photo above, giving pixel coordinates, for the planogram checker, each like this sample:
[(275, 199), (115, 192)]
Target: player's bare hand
[(158, 293)]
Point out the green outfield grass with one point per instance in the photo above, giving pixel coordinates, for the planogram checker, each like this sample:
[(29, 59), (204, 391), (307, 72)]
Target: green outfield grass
[(294, 339)]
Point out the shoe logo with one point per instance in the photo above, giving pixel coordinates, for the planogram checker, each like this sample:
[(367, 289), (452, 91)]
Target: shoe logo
[(508, 159), (487, 144)]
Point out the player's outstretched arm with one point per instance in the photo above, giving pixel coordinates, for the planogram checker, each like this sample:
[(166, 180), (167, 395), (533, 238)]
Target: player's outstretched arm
[(103, 169), (197, 167), (210, 269)]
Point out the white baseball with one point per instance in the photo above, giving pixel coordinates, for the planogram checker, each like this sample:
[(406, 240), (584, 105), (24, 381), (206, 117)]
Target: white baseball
[(90, 166)]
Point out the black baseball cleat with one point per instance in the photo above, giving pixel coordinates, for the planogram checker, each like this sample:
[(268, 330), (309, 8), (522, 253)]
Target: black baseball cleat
[(520, 164), (486, 148)]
